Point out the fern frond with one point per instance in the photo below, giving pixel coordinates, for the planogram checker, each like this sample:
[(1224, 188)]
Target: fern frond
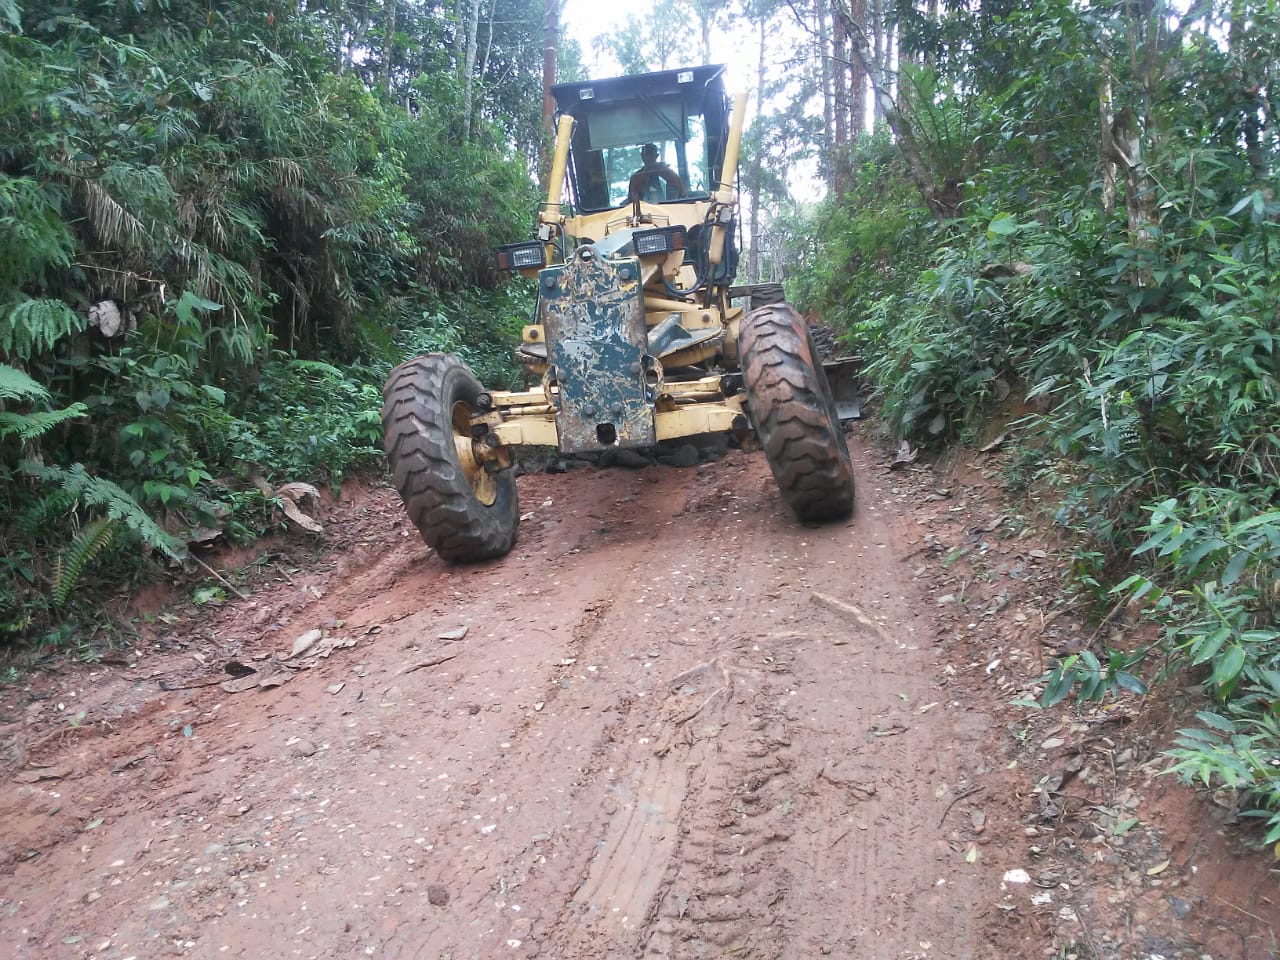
[(46, 512), (16, 385), (70, 563), (109, 498), (317, 367), (30, 327), (28, 426)]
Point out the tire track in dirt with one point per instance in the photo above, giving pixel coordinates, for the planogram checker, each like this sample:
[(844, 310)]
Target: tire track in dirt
[(758, 839), (651, 743)]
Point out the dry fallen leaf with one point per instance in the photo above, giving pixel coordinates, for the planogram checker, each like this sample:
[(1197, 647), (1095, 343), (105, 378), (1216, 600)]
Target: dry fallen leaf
[(298, 491), (305, 642), (240, 684), (297, 516)]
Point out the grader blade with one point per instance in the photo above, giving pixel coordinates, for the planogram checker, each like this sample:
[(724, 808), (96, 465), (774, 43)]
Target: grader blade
[(845, 388)]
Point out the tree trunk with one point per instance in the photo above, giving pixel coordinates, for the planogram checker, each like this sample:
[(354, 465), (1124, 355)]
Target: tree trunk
[(389, 44), (1106, 116), (840, 97), (823, 40), (942, 199), (1251, 127), (873, 57), (488, 47), (550, 44), (1139, 187), (756, 169), (857, 76), (458, 42), (469, 68)]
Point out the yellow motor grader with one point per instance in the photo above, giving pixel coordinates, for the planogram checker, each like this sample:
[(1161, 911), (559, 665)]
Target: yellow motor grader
[(635, 339)]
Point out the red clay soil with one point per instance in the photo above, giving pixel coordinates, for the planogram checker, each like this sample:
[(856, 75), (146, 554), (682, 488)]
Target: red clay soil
[(678, 724)]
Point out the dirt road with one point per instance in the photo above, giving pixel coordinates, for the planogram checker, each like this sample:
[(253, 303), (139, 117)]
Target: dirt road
[(677, 725)]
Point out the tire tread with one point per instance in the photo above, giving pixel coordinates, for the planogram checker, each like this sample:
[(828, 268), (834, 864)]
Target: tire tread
[(417, 436), (794, 416)]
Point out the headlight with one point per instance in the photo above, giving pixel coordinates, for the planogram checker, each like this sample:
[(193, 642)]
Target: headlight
[(663, 240), (529, 255)]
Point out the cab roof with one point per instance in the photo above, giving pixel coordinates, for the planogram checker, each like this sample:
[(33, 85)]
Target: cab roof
[(692, 82)]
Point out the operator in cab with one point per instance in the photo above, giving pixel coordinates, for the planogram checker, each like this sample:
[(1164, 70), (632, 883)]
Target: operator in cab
[(649, 181)]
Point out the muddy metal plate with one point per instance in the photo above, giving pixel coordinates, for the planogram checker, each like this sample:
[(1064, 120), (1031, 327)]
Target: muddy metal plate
[(594, 321)]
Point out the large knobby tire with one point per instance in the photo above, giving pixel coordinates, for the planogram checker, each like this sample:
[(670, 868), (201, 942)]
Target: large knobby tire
[(463, 512), (794, 414), (766, 295)]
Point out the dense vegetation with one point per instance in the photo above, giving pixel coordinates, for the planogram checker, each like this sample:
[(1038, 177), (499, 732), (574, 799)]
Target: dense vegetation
[(219, 227), (1075, 221), (221, 224)]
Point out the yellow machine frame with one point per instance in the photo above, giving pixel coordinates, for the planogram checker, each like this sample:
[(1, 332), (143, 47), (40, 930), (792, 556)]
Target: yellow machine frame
[(681, 408)]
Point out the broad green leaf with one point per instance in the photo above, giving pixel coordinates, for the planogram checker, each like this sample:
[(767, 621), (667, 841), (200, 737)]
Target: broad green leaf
[(1128, 681), (1002, 225), (1229, 665), (1236, 567), (1216, 721)]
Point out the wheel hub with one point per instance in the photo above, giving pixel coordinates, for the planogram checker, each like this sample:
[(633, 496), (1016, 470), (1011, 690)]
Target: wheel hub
[(482, 481)]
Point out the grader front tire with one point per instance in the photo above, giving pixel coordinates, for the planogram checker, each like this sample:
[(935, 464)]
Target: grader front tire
[(461, 510), (794, 414)]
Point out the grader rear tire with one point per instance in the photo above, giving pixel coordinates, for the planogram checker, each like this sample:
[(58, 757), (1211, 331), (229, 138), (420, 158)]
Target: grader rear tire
[(462, 511), (794, 414)]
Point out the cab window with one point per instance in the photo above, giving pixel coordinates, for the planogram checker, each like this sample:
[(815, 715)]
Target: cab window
[(608, 141)]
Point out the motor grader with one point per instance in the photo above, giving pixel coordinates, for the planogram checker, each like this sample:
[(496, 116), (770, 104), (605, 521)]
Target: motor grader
[(635, 338)]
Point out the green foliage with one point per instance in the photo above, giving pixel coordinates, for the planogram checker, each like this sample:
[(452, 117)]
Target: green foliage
[(31, 327), (1129, 326), (859, 254), (660, 39), (962, 345), (92, 540), (102, 497), (17, 385), (1214, 582), (312, 419), (29, 426), (273, 223)]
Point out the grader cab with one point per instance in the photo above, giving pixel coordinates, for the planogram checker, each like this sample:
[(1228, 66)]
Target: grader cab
[(634, 339)]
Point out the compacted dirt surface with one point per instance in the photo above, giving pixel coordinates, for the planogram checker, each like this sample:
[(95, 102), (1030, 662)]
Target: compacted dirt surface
[(672, 723)]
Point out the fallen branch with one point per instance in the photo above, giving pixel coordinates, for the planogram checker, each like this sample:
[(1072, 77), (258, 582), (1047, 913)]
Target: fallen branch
[(956, 799), (849, 610), (219, 577), (429, 662)]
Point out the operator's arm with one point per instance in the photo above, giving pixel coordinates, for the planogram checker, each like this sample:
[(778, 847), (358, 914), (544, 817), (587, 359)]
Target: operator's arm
[(635, 186), (675, 186)]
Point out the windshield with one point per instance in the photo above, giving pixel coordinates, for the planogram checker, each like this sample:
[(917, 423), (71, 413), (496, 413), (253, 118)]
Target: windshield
[(651, 150)]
